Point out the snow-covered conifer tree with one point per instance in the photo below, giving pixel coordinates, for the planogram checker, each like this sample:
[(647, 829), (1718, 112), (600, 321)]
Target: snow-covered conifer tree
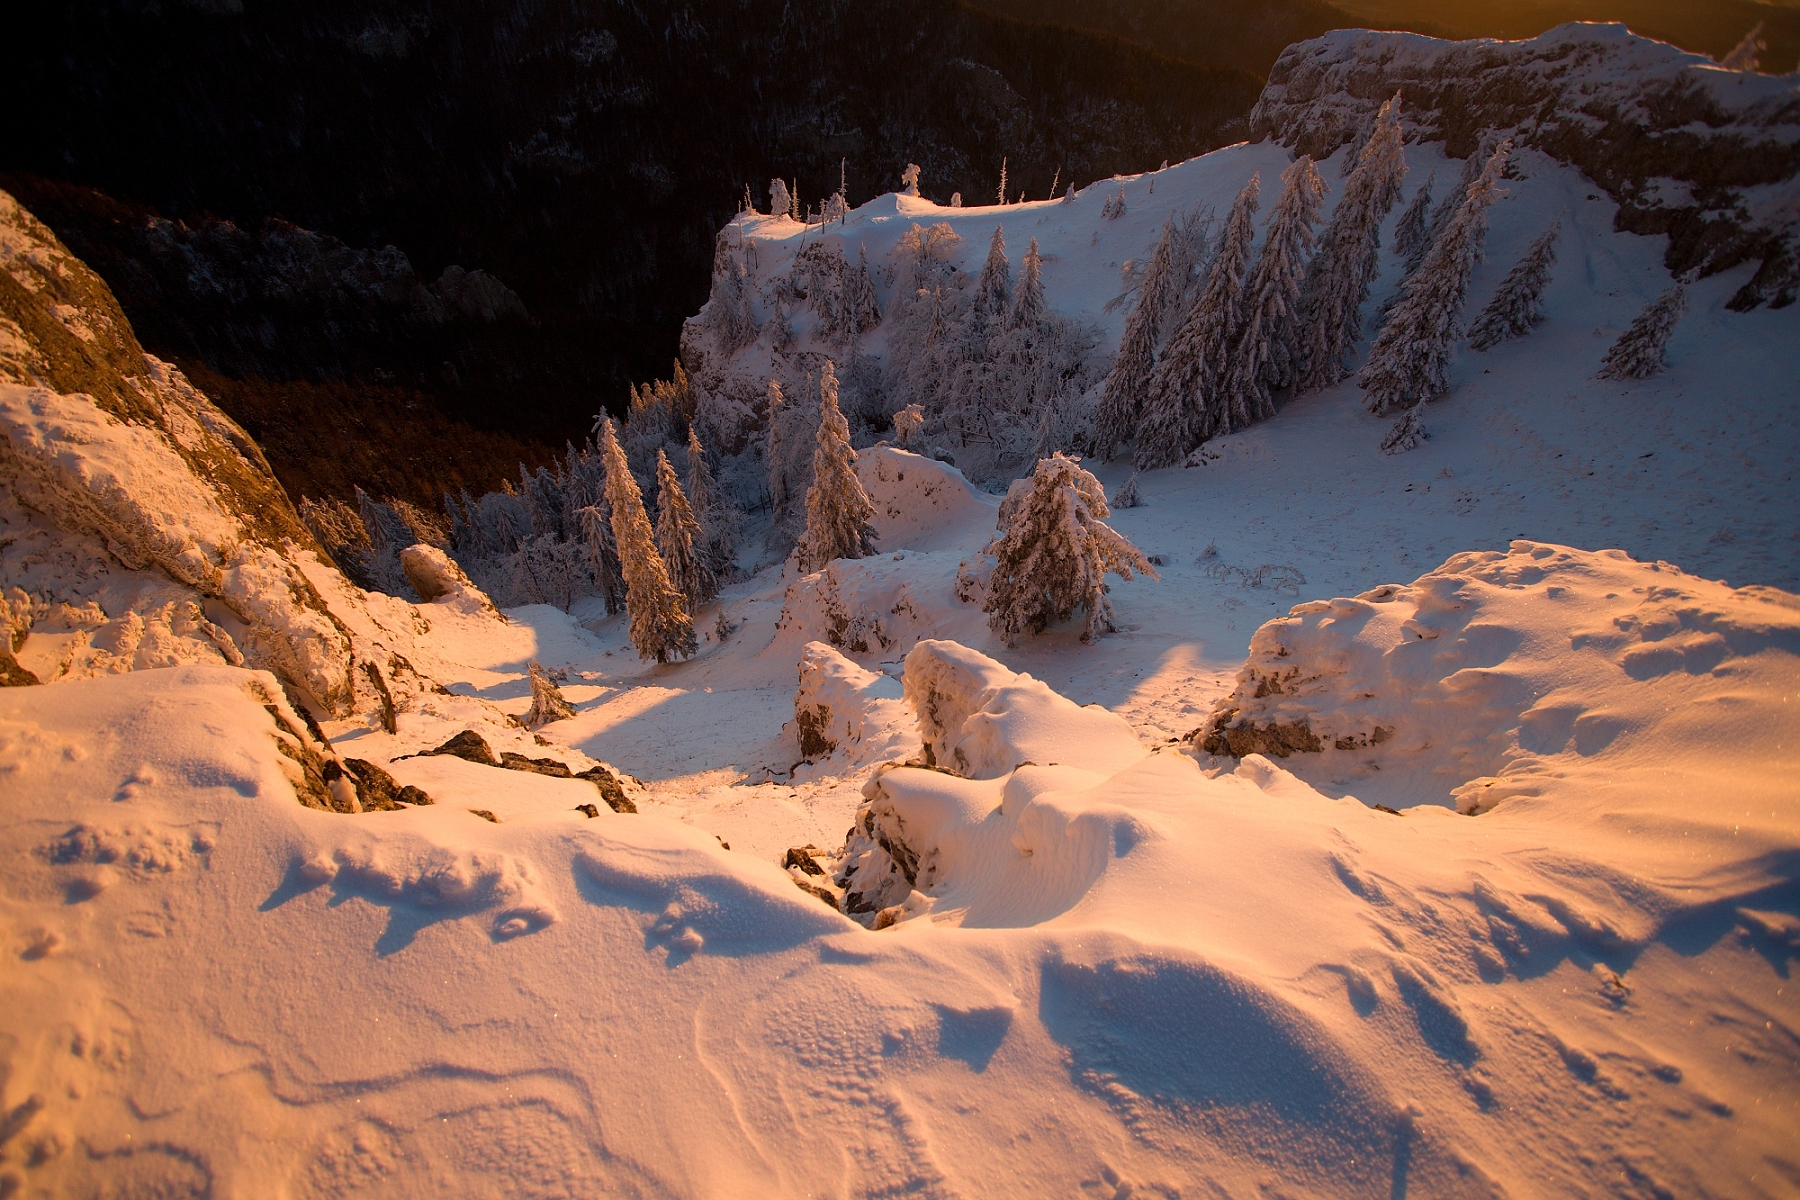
[(547, 702), (909, 422), (1408, 432), (718, 517), (1002, 179), (909, 180), (838, 510), (728, 311), (1114, 208), (1127, 496), (677, 539), (1639, 352), (1053, 553), (1128, 383), (1181, 410), (781, 201), (1069, 195), (1410, 361), (1028, 307), (1263, 357), (1746, 55), (993, 287), (863, 310), (1442, 215), (1415, 220), (1338, 281), (1519, 304), (660, 626), (595, 522)]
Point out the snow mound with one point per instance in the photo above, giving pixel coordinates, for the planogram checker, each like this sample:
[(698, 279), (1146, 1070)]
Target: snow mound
[(880, 605), (921, 503), (435, 576), (1493, 671), (982, 721), (841, 707)]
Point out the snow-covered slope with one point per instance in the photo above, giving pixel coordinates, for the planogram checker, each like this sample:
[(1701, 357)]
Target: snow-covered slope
[(1089, 957)]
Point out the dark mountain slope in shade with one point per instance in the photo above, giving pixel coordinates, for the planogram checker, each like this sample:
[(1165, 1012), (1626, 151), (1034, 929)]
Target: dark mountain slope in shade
[(1250, 36), (578, 155)]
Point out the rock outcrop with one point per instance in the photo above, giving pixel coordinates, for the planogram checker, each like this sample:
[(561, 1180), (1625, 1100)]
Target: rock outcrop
[(1687, 148)]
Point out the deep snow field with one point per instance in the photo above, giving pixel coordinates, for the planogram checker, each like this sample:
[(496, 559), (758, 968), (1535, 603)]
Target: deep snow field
[(1130, 968)]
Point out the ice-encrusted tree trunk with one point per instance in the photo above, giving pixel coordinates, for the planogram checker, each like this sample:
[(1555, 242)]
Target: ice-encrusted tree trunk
[(1640, 351), (1263, 358), (1519, 302), (1182, 409), (678, 537), (1349, 255), (838, 511), (1128, 383), (1053, 553), (1410, 361), (660, 626), (1410, 231)]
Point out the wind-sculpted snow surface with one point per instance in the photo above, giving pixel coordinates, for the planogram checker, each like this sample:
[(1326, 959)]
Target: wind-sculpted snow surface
[(1496, 674), (1175, 973), (1688, 148)]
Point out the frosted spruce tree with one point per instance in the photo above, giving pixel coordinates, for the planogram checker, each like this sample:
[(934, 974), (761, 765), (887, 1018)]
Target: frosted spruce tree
[(864, 309), (1182, 409), (838, 510), (1408, 432), (678, 539), (603, 554), (1028, 307), (1263, 358), (1053, 553), (1410, 361), (1414, 222), (660, 626), (1349, 254), (717, 516), (1519, 304), (728, 310), (993, 287), (1639, 352), (547, 701), (1444, 212), (1128, 383)]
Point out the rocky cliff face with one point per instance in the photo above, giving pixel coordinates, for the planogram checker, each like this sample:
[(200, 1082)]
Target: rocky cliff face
[(1687, 148), (140, 526)]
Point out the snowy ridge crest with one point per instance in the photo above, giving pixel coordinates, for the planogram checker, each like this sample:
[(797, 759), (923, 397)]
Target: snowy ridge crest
[(1687, 147)]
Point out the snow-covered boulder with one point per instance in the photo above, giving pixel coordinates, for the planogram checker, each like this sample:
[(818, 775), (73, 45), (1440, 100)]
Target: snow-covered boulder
[(921, 503), (1656, 126), (435, 576), (982, 721), (879, 605), (839, 705), (1479, 677)]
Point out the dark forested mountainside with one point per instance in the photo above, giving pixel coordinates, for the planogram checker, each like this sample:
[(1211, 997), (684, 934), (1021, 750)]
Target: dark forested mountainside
[(1250, 36), (571, 161)]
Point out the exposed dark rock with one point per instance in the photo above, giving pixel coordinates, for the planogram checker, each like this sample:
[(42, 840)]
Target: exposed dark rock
[(537, 766), (1275, 739), (810, 723), (485, 815), (610, 789), (381, 692), (467, 745), (377, 791), (805, 858), (588, 810), (824, 893)]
